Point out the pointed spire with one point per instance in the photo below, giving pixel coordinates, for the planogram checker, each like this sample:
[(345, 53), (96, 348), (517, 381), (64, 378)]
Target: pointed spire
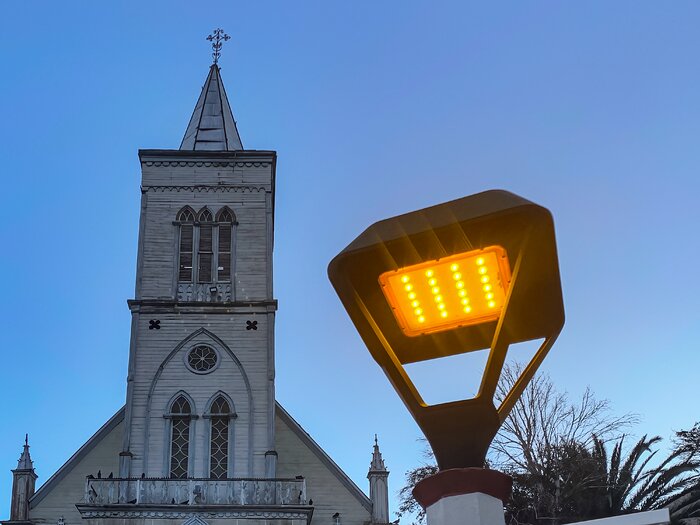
[(25, 460), (377, 464), (378, 477), (212, 126), (23, 483)]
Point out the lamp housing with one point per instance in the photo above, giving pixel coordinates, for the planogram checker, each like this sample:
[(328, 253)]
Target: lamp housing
[(480, 272)]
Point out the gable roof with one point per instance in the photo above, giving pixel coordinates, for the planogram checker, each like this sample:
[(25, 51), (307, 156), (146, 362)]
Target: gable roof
[(117, 418), (331, 465), (83, 451), (212, 126)]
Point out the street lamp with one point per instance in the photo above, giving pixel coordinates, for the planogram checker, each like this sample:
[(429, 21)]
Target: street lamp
[(475, 273)]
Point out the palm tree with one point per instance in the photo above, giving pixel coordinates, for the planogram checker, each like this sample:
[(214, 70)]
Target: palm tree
[(583, 483), (630, 484)]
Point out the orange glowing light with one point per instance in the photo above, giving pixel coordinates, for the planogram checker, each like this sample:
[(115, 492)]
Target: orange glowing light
[(461, 280)]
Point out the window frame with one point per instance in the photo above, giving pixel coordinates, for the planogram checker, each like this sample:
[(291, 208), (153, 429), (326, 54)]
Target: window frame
[(170, 418), (186, 217), (230, 417), (215, 221)]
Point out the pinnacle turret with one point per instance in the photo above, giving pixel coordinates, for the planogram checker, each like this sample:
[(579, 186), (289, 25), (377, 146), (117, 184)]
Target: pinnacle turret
[(25, 460), (377, 464), (378, 477), (23, 483)]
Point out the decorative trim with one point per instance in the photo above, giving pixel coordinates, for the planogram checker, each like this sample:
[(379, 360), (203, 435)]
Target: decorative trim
[(163, 306), (323, 457), (83, 451), (207, 154), (200, 292), (175, 511), (206, 164), (195, 520), (203, 188)]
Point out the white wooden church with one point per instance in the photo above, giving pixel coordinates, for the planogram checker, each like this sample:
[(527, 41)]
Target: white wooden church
[(201, 439)]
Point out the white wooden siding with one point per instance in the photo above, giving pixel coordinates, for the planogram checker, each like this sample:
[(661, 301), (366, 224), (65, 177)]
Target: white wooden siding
[(69, 490), (328, 493)]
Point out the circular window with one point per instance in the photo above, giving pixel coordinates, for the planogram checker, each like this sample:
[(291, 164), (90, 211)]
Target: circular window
[(202, 359)]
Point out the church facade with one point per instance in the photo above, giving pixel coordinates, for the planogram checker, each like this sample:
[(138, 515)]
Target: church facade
[(201, 439)]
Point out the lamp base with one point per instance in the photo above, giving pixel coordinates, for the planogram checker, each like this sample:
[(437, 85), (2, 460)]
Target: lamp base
[(473, 496)]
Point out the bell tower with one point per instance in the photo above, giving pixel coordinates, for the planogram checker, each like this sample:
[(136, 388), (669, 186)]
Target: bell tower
[(200, 387)]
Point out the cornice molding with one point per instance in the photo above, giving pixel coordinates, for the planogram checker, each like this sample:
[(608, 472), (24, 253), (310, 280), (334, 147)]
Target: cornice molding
[(240, 154), (206, 164), (171, 306), (177, 511), (202, 188)]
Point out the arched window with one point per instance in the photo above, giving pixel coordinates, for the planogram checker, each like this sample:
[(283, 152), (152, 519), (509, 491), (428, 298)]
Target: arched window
[(186, 214), (204, 215), (220, 414), (225, 220), (206, 245), (181, 413), (186, 219)]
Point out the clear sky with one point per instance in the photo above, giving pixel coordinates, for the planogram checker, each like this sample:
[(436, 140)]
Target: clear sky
[(591, 109)]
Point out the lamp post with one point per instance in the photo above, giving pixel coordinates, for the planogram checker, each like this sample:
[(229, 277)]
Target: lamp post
[(480, 272)]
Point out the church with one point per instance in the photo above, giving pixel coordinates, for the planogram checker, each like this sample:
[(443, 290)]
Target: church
[(201, 439)]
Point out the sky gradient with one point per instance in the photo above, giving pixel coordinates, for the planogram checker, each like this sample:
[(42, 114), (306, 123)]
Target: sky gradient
[(375, 109)]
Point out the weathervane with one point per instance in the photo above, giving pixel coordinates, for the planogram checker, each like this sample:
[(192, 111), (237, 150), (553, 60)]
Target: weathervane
[(217, 39)]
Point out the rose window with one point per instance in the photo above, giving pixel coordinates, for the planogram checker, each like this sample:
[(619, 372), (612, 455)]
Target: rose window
[(202, 358)]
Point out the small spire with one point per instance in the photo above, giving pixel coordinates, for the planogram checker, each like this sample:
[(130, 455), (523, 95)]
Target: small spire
[(377, 464), (25, 460)]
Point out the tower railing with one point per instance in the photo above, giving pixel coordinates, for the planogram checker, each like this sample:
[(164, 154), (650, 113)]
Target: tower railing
[(194, 491)]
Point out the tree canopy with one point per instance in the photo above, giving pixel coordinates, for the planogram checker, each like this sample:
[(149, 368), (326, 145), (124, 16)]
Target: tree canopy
[(571, 461)]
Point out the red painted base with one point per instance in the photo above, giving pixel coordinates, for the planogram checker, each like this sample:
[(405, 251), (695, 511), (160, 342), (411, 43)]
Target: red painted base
[(456, 481)]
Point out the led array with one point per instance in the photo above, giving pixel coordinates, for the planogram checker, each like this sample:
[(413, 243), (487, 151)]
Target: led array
[(435, 290), (462, 289), (462, 292), (486, 286), (411, 296)]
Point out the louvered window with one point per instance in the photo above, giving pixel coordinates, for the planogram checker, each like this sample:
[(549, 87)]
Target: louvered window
[(186, 217), (211, 261), (223, 266), (218, 459), (180, 438), (205, 253)]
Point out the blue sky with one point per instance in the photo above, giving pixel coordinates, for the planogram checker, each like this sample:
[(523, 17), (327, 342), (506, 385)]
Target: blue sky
[(591, 109)]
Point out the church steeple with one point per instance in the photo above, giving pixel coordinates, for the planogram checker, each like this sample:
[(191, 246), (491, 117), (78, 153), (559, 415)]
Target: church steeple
[(212, 126)]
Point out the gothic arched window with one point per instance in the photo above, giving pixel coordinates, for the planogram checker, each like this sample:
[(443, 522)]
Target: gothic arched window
[(205, 249), (225, 220), (220, 414), (181, 414), (186, 219), (204, 215)]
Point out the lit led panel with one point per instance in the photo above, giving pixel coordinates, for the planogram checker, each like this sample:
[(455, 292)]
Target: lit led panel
[(464, 289)]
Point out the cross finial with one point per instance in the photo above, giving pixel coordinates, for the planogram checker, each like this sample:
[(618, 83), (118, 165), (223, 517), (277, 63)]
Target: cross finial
[(217, 39)]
